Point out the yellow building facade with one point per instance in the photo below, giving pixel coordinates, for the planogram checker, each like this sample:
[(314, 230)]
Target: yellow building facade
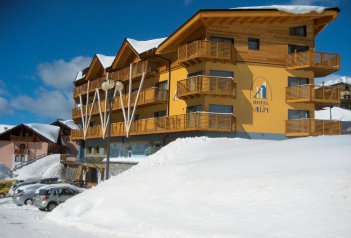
[(232, 72)]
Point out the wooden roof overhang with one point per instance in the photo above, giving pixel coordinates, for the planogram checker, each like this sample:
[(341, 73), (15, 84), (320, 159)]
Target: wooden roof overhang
[(125, 55), (23, 133), (96, 69), (204, 18)]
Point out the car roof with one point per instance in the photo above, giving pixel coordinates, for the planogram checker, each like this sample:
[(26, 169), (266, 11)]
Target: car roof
[(32, 186), (60, 185)]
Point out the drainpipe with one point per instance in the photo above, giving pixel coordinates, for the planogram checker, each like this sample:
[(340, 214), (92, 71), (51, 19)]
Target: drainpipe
[(169, 80)]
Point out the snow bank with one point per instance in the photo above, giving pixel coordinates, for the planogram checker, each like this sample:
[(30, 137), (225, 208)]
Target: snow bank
[(46, 167), (201, 187), (337, 114), (142, 46), (294, 9)]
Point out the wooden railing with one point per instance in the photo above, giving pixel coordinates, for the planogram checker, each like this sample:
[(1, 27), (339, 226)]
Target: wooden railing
[(199, 121), (207, 49), (198, 85), (321, 63), (93, 84), (312, 127), (137, 70), (313, 93), (148, 96)]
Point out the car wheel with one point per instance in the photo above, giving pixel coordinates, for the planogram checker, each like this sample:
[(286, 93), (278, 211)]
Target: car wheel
[(51, 206), (42, 209), (28, 202), (2, 195)]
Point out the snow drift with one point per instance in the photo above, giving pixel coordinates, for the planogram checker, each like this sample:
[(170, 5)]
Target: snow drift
[(201, 187), (46, 167)]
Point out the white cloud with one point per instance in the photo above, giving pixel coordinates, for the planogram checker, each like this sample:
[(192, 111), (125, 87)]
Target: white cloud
[(45, 103), (3, 90), (316, 2), (4, 106), (60, 74), (326, 78)]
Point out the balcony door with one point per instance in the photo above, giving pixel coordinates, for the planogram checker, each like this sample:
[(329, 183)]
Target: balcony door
[(295, 81), (297, 48), (298, 114)]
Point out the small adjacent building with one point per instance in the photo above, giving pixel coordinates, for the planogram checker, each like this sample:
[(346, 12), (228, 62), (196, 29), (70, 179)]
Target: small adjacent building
[(344, 85)]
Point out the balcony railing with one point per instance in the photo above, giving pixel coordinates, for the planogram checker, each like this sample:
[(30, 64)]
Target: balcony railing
[(320, 63), (323, 95), (93, 84), (201, 85), (149, 96), (137, 71), (199, 121), (197, 51), (312, 127)]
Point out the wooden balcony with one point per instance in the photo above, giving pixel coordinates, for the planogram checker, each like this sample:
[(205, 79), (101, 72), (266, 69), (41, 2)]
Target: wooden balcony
[(138, 68), (206, 85), (199, 121), (202, 50), (312, 127), (320, 63), (93, 84), (148, 97), (322, 96)]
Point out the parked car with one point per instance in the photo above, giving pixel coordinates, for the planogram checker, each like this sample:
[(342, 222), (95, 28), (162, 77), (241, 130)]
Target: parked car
[(5, 186), (32, 181), (50, 196), (24, 195)]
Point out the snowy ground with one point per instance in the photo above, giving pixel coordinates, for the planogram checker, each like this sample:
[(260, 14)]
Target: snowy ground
[(29, 222), (201, 187)]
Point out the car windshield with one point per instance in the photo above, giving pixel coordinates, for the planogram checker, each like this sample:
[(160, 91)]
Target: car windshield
[(43, 192)]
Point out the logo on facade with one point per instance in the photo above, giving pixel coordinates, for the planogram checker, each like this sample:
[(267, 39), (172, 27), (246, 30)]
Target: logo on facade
[(261, 94)]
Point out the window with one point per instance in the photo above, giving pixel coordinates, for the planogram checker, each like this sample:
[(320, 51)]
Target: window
[(253, 44), (160, 114), (195, 74), (222, 39), (196, 108), (298, 31), (347, 88), (65, 192), (96, 150), (297, 48), (298, 114), (221, 108), (93, 123), (89, 150), (295, 81), (162, 85), (219, 73)]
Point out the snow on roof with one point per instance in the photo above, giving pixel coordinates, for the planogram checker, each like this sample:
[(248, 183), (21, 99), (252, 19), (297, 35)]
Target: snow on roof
[(295, 9), (70, 124), (4, 128), (336, 112), (342, 79), (50, 132), (81, 74), (142, 46), (106, 61)]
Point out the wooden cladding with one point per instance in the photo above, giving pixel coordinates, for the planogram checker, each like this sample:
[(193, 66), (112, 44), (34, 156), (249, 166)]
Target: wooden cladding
[(324, 95), (200, 50), (93, 84), (312, 127), (198, 121), (149, 96), (137, 71), (320, 63), (206, 85)]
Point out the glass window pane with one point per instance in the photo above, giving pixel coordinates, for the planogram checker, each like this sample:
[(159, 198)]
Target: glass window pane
[(295, 81), (220, 108), (253, 44), (219, 73)]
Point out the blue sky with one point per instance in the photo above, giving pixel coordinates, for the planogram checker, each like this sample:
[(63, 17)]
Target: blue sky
[(43, 43)]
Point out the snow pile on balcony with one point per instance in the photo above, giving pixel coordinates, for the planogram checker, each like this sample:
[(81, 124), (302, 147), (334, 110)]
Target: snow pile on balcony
[(50, 132), (337, 114), (342, 79), (105, 61), (202, 187), (142, 46), (294, 9), (46, 167)]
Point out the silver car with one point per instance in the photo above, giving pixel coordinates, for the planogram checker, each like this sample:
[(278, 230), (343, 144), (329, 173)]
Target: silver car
[(24, 194), (50, 196)]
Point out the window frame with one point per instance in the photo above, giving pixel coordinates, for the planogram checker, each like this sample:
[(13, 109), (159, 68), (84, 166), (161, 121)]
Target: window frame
[(295, 31), (253, 40)]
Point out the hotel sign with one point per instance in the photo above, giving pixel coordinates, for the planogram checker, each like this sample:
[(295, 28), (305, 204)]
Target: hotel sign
[(261, 95)]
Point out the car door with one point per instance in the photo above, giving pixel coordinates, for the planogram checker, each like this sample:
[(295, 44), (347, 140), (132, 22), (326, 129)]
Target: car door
[(65, 193)]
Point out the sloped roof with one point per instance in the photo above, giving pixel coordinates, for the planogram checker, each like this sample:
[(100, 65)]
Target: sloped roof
[(294, 9), (4, 128), (143, 46), (343, 79), (69, 123), (105, 60)]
